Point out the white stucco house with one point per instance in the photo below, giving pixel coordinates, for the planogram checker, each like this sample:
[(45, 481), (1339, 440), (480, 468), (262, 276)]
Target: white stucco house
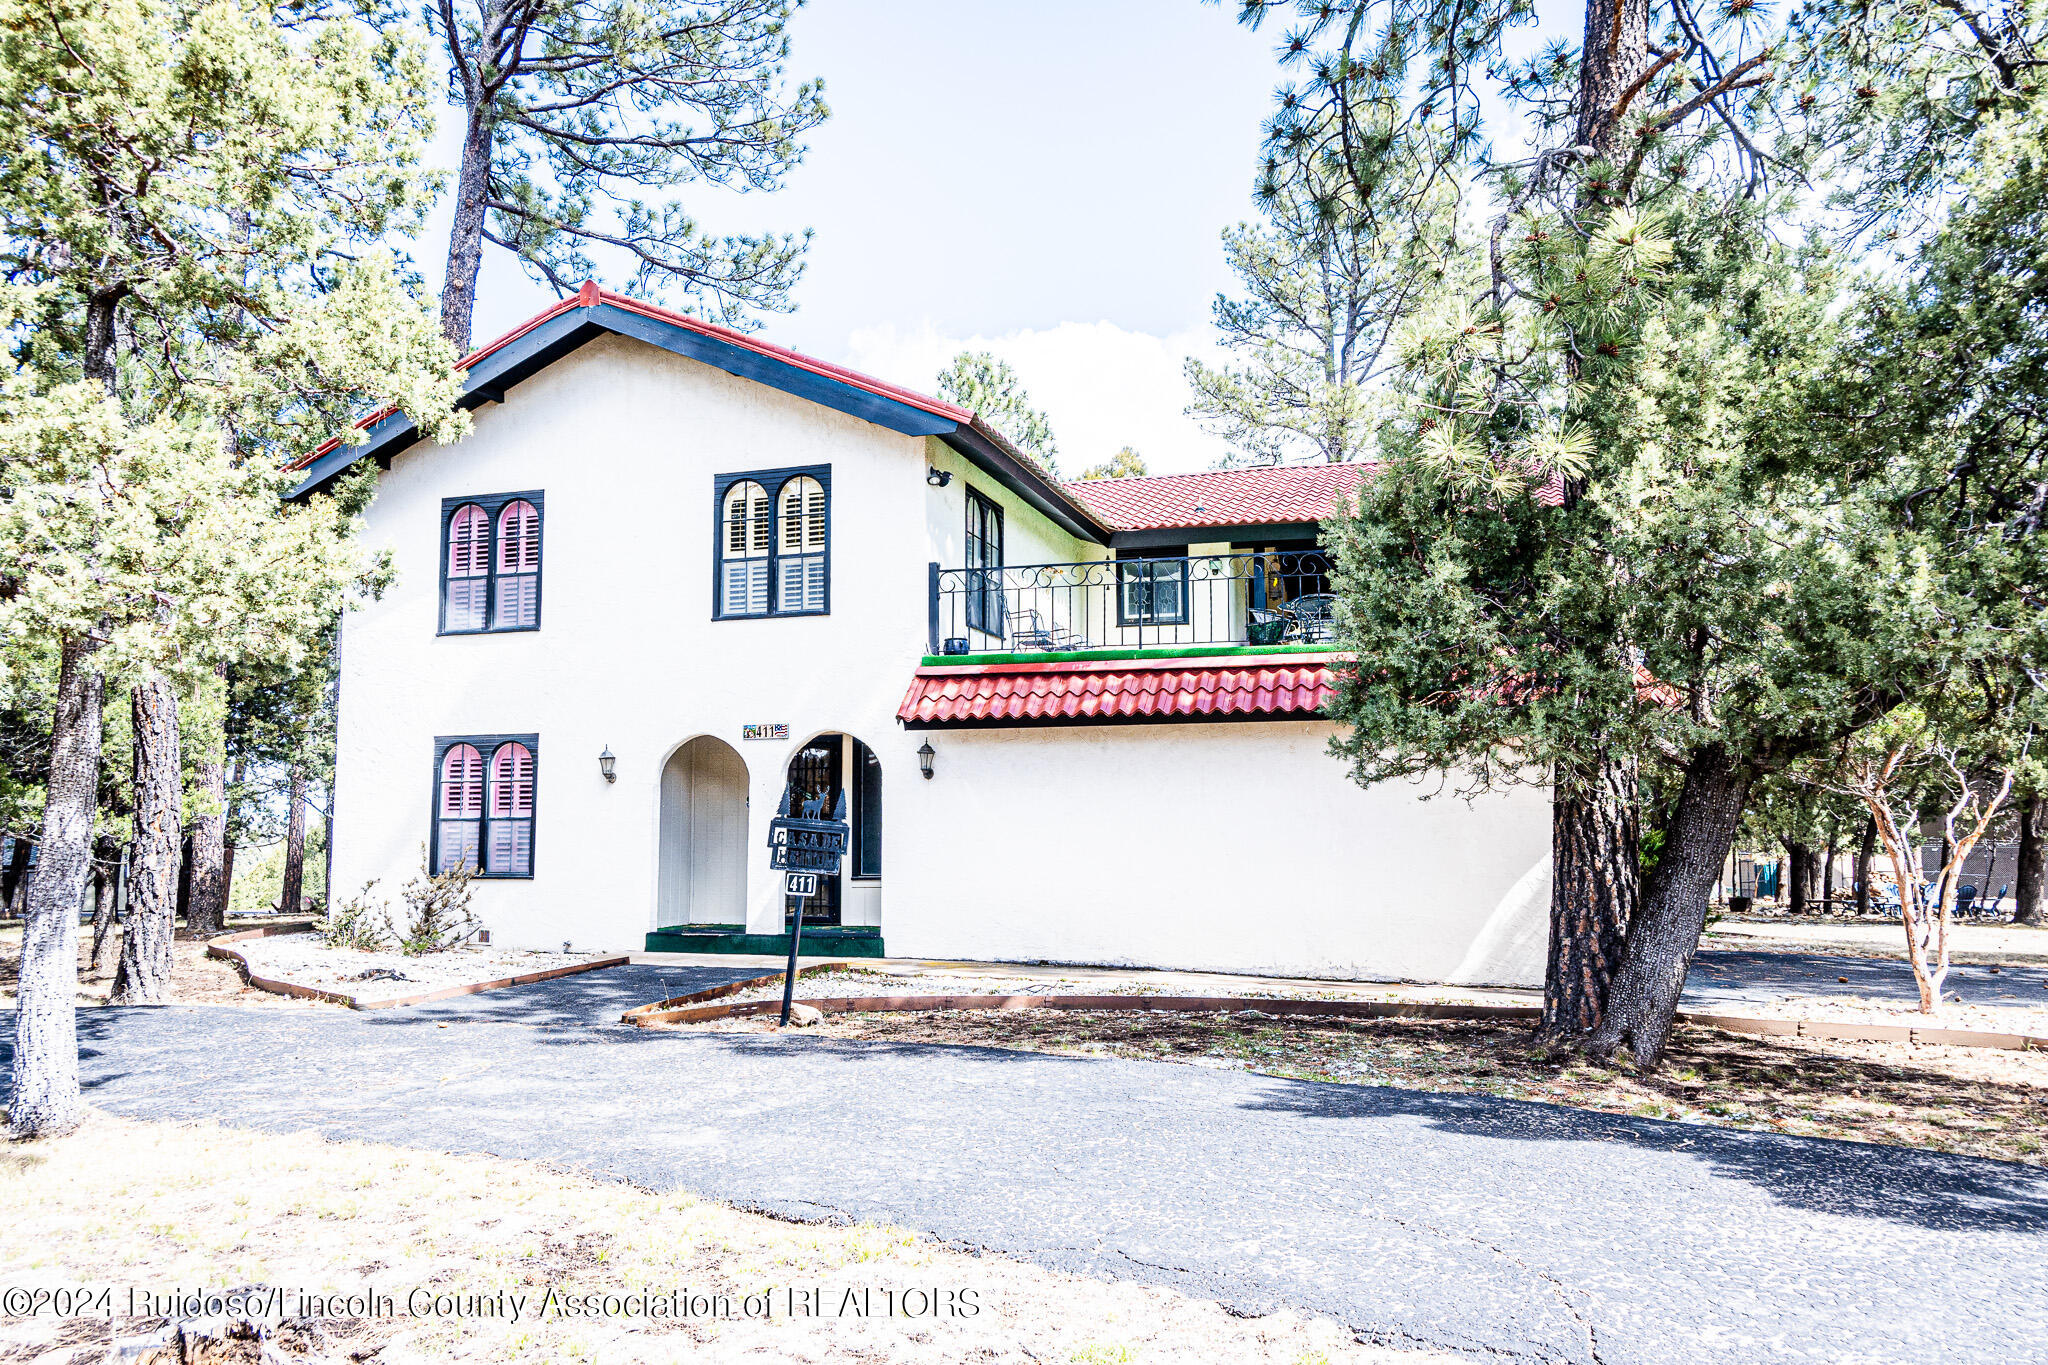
[(674, 570)]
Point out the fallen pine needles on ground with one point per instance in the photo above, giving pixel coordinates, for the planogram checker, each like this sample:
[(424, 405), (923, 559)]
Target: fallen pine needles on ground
[(1971, 1101), (164, 1206)]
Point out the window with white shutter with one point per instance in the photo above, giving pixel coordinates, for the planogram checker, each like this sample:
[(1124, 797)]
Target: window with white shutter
[(490, 568), (484, 795), (774, 543)]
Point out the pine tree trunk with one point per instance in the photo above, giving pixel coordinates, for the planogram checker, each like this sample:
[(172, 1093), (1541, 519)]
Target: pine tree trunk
[(292, 898), (466, 233), (45, 1100), (206, 913), (16, 871), (1594, 844), (2030, 878), (1798, 876), (1614, 52), (145, 973), (1643, 999), (1864, 852), (1827, 876), (106, 882)]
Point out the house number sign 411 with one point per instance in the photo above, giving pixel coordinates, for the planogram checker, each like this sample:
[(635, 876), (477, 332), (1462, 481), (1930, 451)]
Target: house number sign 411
[(775, 730)]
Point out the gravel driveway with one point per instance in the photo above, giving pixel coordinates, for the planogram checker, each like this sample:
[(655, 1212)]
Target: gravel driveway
[(1492, 1227)]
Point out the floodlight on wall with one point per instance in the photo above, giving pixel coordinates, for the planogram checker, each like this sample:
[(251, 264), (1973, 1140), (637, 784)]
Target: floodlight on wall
[(607, 765), (925, 755), (937, 477)]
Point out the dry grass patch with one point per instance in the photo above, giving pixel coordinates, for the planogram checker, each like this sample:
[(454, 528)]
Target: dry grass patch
[(196, 979), (1973, 1101), (200, 1206)]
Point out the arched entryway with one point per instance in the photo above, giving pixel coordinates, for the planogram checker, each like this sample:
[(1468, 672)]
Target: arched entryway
[(828, 765), (703, 836)]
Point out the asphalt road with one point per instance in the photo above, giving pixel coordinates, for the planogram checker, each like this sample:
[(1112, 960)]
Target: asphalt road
[(1722, 977), (1491, 1227)]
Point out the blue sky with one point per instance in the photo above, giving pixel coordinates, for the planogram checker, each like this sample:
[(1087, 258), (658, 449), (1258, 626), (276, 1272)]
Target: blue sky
[(1046, 180)]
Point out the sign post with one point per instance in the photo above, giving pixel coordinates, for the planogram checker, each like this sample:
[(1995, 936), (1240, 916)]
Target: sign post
[(804, 847)]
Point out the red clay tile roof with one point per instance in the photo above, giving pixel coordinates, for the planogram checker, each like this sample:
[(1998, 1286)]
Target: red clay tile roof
[(1223, 497), (1126, 691)]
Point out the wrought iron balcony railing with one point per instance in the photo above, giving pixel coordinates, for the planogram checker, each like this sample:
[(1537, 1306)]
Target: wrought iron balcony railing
[(1244, 597)]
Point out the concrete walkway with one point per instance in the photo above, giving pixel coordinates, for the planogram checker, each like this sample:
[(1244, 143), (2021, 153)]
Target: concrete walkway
[(1491, 1227)]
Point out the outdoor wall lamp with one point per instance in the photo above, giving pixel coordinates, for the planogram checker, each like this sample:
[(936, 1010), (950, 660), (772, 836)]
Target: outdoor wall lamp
[(936, 477), (925, 755), (606, 763)]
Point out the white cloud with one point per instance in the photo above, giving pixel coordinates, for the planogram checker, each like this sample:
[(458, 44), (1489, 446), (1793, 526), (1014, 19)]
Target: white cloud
[(1103, 387)]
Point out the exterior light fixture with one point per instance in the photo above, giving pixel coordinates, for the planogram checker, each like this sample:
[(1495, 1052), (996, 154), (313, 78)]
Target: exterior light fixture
[(925, 755), (606, 763), (936, 477)]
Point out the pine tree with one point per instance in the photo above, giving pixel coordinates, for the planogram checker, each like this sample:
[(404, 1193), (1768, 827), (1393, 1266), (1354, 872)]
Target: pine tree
[(1326, 280), (1127, 463), (188, 229), (991, 390), (571, 111)]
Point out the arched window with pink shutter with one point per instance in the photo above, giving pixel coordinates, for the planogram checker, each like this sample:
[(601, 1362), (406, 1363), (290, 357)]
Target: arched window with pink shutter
[(511, 805), (484, 794), (467, 568), (516, 593), (490, 562), (459, 807)]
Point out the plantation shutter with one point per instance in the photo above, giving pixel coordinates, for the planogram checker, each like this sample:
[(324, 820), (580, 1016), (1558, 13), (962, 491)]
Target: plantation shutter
[(744, 547), (469, 568), (460, 817), (511, 824), (517, 603), (800, 583)]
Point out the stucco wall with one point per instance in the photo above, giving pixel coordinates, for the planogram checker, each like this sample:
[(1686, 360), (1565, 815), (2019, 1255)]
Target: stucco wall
[(625, 441), (1235, 847)]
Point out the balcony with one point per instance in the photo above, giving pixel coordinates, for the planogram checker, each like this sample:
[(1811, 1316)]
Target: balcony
[(1199, 604)]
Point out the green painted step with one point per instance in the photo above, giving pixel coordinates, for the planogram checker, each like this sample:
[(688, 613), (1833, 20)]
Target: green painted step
[(852, 941)]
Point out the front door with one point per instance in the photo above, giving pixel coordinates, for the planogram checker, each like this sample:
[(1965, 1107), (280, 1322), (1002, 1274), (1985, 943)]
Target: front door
[(818, 769)]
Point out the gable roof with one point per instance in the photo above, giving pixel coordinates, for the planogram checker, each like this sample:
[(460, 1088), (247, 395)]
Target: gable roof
[(1270, 496), (592, 312)]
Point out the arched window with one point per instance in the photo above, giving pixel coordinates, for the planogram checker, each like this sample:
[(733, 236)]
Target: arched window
[(774, 542), (800, 567), (460, 811), (516, 603), (469, 568), (490, 573), (744, 545), (511, 824), (484, 790)]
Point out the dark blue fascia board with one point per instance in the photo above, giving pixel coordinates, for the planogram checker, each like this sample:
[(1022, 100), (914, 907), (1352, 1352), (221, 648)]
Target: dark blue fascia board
[(776, 374), (490, 377), (996, 462)]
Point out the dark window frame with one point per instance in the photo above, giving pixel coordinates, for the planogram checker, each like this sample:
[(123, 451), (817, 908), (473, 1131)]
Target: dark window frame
[(772, 481), (980, 593), (1150, 579), (865, 819), (493, 504), (487, 747)]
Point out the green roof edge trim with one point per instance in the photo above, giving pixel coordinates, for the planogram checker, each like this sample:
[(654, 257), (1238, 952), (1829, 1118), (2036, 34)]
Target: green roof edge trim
[(1082, 656)]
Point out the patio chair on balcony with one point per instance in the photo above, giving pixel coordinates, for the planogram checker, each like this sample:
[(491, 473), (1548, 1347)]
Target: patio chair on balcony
[(1027, 632), (1264, 627), (1315, 617)]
